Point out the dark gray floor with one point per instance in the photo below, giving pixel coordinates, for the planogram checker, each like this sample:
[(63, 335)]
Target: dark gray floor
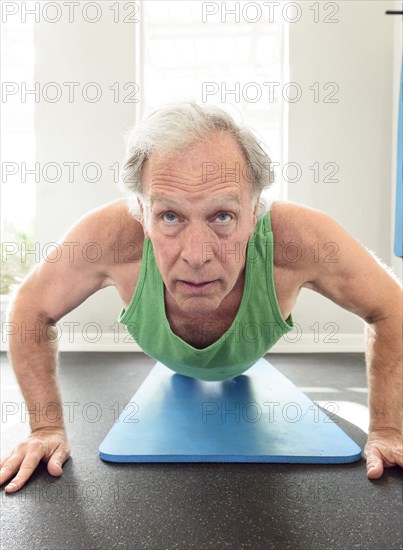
[(101, 505)]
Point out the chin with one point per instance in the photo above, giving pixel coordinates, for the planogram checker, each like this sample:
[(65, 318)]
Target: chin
[(199, 305)]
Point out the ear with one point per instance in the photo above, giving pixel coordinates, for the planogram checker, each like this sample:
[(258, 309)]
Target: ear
[(255, 213)]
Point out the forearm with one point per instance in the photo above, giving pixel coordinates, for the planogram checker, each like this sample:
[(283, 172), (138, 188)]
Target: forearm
[(384, 372), (33, 352)]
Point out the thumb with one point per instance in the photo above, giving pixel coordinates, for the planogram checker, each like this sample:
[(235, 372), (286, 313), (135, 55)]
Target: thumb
[(374, 464), (55, 465)]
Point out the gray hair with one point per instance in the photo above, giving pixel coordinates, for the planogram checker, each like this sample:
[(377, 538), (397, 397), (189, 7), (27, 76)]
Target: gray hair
[(176, 127)]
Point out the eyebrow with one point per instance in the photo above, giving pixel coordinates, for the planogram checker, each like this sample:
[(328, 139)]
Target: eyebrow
[(232, 197)]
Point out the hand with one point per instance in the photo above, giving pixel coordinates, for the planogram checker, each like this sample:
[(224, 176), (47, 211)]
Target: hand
[(49, 444), (384, 448)]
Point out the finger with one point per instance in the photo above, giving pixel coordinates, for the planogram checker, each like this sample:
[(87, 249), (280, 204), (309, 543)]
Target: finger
[(56, 462), (4, 460), (374, 464), (28, 466), (10, 467)]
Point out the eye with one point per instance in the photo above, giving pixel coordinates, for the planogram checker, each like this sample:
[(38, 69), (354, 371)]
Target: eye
[(167, 214), (225, 214)]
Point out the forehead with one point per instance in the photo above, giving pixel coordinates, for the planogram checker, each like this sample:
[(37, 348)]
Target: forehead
[(216, 166), (225, 197)]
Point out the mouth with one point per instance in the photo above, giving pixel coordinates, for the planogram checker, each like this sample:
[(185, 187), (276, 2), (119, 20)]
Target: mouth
[(197, 286)]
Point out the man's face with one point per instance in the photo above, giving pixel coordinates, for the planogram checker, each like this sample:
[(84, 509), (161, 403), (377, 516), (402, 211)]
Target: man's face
[(199, 218)]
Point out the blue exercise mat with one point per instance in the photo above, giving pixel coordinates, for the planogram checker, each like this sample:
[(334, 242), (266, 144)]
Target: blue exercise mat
[(259, 416)]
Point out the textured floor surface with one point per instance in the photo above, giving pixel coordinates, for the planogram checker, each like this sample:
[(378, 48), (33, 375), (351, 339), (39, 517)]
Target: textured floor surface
[(100, 505)]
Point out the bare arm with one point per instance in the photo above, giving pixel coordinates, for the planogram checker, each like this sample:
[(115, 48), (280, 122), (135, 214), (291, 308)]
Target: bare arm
[(384, 370), (362, 284), (52, 290), (384, 360)]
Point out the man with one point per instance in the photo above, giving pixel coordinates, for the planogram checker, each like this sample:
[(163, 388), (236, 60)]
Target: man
[(197, 265)]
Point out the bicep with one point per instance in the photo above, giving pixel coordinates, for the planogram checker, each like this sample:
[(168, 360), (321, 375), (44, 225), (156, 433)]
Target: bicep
[(352, 277)]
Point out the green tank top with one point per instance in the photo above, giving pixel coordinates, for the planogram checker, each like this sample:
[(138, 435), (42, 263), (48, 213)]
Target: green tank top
[(258, 324)]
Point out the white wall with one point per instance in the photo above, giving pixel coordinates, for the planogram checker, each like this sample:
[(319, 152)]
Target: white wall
[(103, 52), (360, 53)]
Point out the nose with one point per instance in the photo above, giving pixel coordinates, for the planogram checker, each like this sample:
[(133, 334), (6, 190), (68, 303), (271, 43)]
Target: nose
[(197, 245)]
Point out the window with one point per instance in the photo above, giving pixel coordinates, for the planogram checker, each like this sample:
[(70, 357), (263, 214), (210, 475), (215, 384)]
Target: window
[(17, 153), (230, 64)]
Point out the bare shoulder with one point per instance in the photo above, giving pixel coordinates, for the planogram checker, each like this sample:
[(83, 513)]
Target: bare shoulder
[(111, 223), (295, 228), (117, 212), (291, 218), (122, 220), (87, 255), (122, 238), (337, 265)]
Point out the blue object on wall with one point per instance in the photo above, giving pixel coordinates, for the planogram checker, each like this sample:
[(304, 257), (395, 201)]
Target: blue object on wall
[(398, 247), (259, 416)]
